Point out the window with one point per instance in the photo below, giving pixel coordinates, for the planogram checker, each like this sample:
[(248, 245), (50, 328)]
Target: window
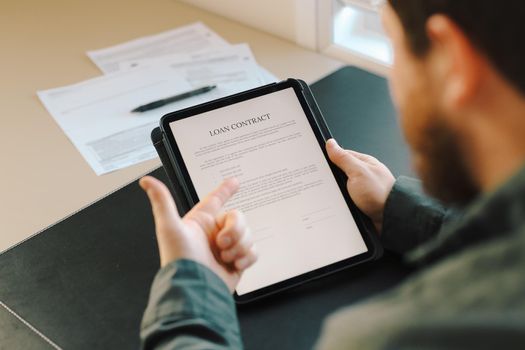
[(351, 30)]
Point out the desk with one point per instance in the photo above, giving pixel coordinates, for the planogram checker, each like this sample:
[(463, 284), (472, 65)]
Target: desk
[(84, 281), (43, 176)]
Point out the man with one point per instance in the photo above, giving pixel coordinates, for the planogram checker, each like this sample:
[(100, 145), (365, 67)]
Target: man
[(458, 80)]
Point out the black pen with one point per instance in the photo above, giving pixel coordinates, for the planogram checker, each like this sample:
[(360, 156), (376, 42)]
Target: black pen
[(165, 101)]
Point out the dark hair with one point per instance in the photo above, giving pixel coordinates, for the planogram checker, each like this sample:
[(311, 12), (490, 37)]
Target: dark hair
[(496, 28)]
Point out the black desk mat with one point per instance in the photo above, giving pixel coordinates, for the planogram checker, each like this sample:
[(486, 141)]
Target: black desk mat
[(84, 281), (15, 334)]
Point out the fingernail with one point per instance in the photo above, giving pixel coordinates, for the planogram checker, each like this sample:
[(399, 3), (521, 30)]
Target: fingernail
[(333, 143), (142, 183)]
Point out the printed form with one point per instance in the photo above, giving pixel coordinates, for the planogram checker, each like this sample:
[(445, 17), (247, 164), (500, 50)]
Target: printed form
[(188, 39), (299, 218), (96, 114)]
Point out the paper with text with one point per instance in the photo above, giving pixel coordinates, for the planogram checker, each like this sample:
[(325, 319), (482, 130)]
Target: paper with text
[(191, 39), (188, 39), (96, 117), (299, 218), (241, 50)]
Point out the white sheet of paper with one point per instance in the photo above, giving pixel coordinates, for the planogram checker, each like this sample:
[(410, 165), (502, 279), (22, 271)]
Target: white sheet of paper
[(267, 76), (242, 50), (192, 38), (96, 116)]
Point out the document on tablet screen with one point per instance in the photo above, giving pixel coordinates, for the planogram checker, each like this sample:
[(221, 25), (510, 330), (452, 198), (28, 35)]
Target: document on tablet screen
[(299, 218)]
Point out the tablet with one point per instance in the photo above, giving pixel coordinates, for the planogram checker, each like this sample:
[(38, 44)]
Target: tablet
[(272, 139)]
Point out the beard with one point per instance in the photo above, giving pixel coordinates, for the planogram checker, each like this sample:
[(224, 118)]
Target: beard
[(437, 155), (439, 162), (443, 171)]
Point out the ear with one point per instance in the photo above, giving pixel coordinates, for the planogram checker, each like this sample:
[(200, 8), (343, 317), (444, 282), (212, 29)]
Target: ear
[(456, 63)]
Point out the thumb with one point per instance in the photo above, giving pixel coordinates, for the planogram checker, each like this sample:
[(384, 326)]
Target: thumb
[(164, 210), (342, 158)]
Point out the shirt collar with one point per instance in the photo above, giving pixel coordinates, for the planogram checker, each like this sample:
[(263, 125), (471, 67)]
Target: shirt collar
[(493, 215)]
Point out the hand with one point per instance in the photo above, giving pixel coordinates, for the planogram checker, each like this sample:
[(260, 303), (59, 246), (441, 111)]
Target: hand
[(369, 180), (220, 241)]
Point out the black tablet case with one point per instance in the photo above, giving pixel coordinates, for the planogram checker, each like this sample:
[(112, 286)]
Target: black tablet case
[(182, 202), (84, 281)]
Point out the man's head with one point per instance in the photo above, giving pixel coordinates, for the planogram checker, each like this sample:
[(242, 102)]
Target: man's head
[(458, 63)]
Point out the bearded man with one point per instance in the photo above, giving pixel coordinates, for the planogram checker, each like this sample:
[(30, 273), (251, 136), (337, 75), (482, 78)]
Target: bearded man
[(458, 80)]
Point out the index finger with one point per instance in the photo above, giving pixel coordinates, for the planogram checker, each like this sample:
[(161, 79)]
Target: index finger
[(213, 202)]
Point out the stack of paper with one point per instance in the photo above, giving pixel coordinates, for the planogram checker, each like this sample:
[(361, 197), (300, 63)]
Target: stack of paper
[(96, 114)]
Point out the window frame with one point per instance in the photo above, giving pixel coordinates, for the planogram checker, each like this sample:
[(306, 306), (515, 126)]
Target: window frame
[(327, 46)]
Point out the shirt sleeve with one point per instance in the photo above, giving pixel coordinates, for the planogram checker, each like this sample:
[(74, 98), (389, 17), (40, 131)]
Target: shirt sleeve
[(411, 218), (189, 307)]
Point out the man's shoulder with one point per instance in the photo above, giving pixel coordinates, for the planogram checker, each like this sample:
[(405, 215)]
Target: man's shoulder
[(483, 285), (488, 275)]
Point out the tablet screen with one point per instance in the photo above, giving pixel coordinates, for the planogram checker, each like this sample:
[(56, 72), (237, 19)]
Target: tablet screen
[(298, 217)]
